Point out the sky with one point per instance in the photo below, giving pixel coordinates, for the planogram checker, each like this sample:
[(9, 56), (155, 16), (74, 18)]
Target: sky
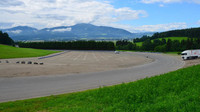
[(131, 15)]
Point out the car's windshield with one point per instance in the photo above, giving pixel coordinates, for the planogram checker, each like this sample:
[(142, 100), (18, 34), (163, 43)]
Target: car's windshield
[(183, 53)]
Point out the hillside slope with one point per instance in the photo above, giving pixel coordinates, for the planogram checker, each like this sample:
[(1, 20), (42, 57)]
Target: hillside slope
[(13, 52), (76, 32)]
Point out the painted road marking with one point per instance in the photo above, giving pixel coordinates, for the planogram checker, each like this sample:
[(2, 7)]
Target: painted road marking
[(95, 57), (85, 56)]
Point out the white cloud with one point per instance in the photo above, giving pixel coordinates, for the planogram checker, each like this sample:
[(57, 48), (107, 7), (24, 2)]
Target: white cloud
[(51, 13), (22, 24), (127, 13), (161, 5), (161, 27), (169, 1), (198, 22), (194, 1), (15, 31), (159, 1), (62, 30)]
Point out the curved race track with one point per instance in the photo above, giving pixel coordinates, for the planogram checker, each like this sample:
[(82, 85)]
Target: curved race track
[(36, 86)]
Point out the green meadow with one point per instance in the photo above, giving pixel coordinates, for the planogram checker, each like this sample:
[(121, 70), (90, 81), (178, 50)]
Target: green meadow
[(172, 38), (177, 91), (175, 38), (14, 52), (139, 43)]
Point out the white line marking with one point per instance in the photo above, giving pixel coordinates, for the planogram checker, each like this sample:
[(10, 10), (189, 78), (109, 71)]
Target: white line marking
[(103, 57), (85, 56), (95, 57), (77, 57)]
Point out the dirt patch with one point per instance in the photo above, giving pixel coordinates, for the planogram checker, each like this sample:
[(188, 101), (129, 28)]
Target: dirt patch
[(74, 62), (191, 62), (188, 62)]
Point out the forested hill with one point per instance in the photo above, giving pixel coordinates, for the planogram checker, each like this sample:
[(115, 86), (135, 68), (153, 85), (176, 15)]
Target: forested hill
[(75, 32), (191, 33)]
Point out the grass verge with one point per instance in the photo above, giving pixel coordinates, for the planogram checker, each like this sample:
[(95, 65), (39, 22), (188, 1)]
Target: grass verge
[(13, 52), (177, 91)]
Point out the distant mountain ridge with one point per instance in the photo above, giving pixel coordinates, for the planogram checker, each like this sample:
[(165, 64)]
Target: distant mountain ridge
[(75, 32)]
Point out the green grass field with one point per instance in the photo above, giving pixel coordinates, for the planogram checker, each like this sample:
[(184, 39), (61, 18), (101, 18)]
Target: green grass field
[(177, 91), (139, 43), (13, 52), (175, 38), (172, 38)]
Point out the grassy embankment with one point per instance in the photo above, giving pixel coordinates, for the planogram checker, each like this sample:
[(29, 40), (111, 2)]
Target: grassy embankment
[(172, 38), (177, 91), (13, 52)]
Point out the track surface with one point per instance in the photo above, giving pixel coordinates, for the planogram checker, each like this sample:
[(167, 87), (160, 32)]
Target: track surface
[(70, 62), (29, 87)]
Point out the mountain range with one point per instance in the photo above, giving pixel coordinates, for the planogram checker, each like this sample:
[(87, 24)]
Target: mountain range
[(75, 32)]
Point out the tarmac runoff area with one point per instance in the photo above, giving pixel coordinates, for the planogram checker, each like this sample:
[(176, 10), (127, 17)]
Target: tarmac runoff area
[(125, 67), (70, 62)]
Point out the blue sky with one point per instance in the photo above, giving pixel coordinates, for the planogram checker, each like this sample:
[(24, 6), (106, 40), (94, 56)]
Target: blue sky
[(132, 15)]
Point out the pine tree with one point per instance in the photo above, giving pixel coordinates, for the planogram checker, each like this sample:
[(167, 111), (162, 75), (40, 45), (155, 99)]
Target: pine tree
[(5, 39), (168, 45)]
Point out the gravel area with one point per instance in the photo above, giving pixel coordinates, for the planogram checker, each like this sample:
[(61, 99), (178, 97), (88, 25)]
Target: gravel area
[(72, 62), (192, 62), (188, 63)]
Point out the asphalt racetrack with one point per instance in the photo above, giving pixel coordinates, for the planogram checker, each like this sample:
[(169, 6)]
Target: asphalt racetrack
[(18, 88)]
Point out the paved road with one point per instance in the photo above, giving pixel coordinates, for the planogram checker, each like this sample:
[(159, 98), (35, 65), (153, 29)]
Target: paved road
[(36, 86)]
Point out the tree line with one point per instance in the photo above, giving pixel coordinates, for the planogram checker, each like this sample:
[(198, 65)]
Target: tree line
[(158, 45), (5, 39), (149, 43), (170, 45), (125, 45), (191, 33), (70, 45), (162, 45)]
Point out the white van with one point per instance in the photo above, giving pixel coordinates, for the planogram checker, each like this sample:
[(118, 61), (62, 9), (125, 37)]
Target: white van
[(190, 54), (116, 52)]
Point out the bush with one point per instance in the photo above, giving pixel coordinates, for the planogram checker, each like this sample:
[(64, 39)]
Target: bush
[(160, 48)]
